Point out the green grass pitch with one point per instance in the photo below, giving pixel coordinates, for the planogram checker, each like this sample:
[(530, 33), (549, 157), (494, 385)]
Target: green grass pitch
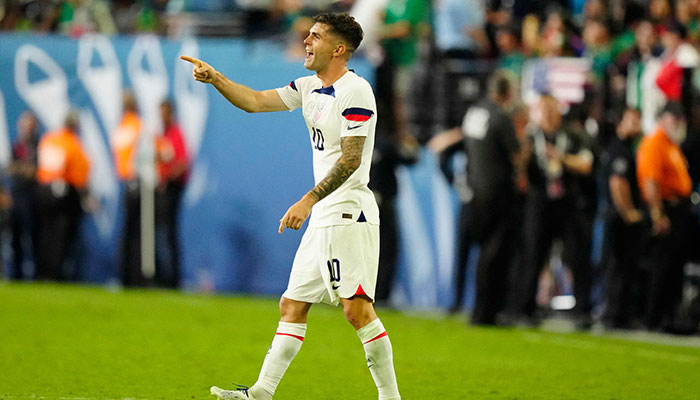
[(83, 343)]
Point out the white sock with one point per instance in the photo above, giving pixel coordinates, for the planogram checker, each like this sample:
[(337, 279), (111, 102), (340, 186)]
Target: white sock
[(283, 349), (380, 359)]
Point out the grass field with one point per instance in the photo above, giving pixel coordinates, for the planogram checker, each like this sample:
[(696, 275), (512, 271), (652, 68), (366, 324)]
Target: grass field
[(68, 342)]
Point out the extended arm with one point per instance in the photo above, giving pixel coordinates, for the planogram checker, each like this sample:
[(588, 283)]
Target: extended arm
[(241, 96), (350, 159)]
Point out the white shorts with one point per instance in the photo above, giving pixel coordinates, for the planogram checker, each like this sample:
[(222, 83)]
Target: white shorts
[(335, 262)]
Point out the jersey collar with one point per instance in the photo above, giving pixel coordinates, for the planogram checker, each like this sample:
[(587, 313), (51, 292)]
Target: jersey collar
[(330, 90)]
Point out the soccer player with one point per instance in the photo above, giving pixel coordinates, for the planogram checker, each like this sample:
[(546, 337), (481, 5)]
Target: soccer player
[(337, 259)]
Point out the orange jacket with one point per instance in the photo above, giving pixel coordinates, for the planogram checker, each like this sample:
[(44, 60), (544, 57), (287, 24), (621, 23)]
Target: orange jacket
[(124, 143), (661, 160), (61, 158)]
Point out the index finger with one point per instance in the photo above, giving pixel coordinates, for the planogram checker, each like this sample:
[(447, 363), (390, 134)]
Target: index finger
[(281, 228), (283, 222), (192, 60)]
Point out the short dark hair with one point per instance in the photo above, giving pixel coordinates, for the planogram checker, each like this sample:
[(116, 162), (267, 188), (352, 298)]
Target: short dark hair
[(499, 85), (675, 26), (343, 25)]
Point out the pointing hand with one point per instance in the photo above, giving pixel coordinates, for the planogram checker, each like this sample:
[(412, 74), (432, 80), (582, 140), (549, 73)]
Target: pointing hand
[(201, 71)]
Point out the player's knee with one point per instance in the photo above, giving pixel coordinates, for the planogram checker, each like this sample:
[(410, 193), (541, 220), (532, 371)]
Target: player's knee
[(356, 316), (292, 311), (352, 317), (286, 308)]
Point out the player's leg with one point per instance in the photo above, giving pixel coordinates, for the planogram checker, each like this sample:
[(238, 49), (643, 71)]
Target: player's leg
[(352, 274), (359, 311), (306, 286), (285, 346)]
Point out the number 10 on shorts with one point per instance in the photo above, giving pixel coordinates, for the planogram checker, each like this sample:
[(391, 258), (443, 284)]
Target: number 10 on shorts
[(334, 270)]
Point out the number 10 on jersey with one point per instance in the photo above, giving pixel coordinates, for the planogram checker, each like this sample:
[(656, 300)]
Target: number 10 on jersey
[(317, 139)]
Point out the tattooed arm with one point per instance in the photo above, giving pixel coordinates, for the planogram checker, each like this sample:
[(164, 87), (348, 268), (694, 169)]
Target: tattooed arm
[(350, 159)]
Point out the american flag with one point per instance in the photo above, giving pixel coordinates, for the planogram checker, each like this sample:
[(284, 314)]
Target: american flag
[(563, 78)]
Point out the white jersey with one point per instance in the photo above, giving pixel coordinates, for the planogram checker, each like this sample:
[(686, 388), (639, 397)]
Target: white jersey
[(347, 108)]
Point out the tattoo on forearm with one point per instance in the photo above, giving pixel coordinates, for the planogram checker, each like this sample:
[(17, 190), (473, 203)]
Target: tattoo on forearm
[(349, 161)]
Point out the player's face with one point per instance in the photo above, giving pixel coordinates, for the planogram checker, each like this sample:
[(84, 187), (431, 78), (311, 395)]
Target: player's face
[(319, 46)]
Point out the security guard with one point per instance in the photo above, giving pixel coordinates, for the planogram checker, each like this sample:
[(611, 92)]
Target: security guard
[(62, 174), (560, 157), (124, 142), (493, 161), (662, 172), (623, 229), (173, 164)]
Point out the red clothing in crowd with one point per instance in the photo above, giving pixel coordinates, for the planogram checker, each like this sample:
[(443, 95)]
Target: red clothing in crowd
[(670, 78), (173, 159)]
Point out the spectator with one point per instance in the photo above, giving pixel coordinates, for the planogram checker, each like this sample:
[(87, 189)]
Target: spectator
[(623, 230), (62, 174), (124, 143), (642, 67), (23, 175), (459, 35), (665, 185), (78, 17), (530, 35), (402, 22), (553, 40), (368, 13), (622, 42), (677, 56), (559, 156), (459, 28), (596, 37), (660, 12), (37, 15), (511, 57), (688, 13), (173, 169), (133, 16), (595, 9)]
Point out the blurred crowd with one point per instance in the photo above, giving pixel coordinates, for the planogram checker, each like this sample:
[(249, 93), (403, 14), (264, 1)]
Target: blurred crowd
[(78, 17), (45, 196), (582, 203)]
